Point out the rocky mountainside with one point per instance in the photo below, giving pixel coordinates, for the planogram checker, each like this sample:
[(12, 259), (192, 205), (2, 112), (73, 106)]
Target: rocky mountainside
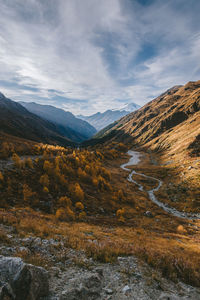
[(75, 129), (16, 120), (171, 122), (101, 120)]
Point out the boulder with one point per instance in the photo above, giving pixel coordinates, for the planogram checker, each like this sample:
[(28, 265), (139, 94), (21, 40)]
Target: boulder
[(88, 288), (19, 280)]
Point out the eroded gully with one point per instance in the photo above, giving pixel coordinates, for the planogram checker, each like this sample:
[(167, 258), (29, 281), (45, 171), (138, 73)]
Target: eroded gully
[(135, 158)]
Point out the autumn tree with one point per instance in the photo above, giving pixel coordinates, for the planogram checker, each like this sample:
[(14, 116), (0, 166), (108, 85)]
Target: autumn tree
[(120, 214), (65, 214), (27, 193), (29, 163), (44, 180), (78, 192), (79, 206), (65, 201), (1, 177), (17, 161)]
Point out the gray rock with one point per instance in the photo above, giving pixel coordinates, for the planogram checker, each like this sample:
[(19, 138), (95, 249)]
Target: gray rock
[(167, 296), (126, 289), (22, 281), (148, 214), (88, 288), (109, 291)]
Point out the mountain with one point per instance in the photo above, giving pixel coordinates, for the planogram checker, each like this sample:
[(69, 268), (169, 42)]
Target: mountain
[(73, 128), (101, 120), (170, 123), (16, 120)]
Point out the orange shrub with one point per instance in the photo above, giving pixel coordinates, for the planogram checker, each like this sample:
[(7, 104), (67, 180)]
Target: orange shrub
[(44, 180), (29, 163), (79, 206), (65, 214), (1, 177), (65, 201)]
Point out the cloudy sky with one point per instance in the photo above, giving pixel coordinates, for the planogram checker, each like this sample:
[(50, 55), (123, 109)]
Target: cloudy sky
[(90, 55)]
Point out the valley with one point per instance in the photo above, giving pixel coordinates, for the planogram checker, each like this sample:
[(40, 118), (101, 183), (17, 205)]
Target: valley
[(122, 205)]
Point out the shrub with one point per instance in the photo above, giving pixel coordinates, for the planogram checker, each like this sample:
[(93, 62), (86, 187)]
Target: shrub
[(82, 215), (1, 177), (65, 214), (17, 161), (79, 206), (45, 190), (65, 201), (27, 192), (29, 163), (44, 180)]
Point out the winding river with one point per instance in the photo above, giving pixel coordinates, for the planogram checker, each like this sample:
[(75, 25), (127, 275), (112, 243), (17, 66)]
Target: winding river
[(135, 158)]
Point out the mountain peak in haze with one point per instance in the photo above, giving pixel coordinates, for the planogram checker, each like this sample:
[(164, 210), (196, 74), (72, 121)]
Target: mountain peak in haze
[(76, 129), (101, 120)]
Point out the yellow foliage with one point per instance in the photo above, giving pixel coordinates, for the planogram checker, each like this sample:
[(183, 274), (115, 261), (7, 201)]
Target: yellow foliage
[(1, 176), (65, 201), (180, 229), (29, 163), (120, 212), (79, 206), (27, 192), (95, 182), (65, 214), (78, 192), (82, 215), (44, 180), (45, 189), (48, 167), (17, 161)]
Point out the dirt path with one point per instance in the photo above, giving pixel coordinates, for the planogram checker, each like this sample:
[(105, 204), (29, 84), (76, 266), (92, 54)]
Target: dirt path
[(135, 158), (9, 163)]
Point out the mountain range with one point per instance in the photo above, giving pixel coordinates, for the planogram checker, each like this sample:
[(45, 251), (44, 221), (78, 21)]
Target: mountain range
[(47, 125), (16, 120), (101, 120), (170, 123)]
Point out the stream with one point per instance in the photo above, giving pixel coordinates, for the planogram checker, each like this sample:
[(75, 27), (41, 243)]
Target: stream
[(135, 158)]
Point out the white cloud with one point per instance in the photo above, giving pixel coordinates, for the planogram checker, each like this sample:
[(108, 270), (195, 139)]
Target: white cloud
[(85, 49)]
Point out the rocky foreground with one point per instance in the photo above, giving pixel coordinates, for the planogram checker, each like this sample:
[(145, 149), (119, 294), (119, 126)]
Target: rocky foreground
[(74, 276)]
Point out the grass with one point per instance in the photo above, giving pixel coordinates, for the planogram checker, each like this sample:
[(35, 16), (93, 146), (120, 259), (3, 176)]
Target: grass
[(176, 254)]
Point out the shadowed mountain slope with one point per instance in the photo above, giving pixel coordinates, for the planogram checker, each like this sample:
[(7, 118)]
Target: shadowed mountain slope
[(70, 126), (16, 120)]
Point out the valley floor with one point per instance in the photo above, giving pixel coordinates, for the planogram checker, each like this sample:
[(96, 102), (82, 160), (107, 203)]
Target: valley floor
[(106, 257)]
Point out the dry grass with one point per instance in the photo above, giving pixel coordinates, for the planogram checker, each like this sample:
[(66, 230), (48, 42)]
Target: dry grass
[(177, 255)]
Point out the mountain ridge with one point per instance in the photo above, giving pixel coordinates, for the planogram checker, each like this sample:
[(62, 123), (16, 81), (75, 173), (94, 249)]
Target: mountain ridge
[(158, 124), (16, 120), (76, 129), (101, 120)]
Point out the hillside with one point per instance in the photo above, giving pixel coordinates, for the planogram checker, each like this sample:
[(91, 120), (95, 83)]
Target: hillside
[(17, 121), (73, 128), (101, 120), (170, 123)]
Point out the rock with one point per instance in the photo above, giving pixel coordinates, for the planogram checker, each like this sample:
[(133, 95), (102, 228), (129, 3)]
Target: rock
[(88, 288), (6, 292), (27, 241), (22, 281), (109, 291), (126, 289), (148, 214), (167, 296)]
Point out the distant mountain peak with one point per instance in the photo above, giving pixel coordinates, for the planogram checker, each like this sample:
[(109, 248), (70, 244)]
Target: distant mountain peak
[(101, 120), (76, 129)]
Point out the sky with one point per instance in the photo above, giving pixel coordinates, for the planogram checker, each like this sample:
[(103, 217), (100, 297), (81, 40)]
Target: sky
[(92, 55)]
